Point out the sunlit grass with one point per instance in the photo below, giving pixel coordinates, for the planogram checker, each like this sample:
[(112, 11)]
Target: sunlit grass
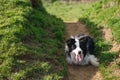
[(68, 12)]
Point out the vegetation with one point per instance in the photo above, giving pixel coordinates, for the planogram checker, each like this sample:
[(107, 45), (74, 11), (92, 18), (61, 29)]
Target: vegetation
[(108, 63), (104, 14), (31, 39), (29, 42)]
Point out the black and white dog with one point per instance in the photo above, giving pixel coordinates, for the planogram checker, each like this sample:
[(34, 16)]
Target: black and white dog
[(80, 50)]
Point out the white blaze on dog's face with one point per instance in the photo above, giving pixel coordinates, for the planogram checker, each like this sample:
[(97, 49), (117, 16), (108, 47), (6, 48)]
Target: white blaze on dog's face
[(77, 51)]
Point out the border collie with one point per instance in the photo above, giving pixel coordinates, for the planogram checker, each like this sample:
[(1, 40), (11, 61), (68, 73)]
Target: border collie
[(80, 50)]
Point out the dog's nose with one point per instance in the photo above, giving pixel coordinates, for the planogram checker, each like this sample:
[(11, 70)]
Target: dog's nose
[(79, 52)]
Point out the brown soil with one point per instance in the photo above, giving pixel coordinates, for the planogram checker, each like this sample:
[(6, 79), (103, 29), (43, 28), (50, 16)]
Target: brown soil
[(80, 72), (108, 37), (107, 34), (73, 28)]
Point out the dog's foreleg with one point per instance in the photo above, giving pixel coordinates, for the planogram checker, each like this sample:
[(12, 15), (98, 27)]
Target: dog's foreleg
[(93, 60), (68, 59)]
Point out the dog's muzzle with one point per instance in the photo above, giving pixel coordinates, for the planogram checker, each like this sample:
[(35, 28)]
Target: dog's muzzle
[(77, 57)]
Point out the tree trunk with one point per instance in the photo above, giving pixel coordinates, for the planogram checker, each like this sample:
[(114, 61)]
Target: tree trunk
[(34, 3)]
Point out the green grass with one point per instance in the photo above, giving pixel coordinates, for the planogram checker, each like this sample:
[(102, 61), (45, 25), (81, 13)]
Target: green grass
[(106, 14), (103, 13), (66, 11), (30, 41)]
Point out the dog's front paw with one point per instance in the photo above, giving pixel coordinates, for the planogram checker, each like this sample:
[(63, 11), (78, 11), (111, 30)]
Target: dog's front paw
[(69, 61), (96, 64), (94, 61)]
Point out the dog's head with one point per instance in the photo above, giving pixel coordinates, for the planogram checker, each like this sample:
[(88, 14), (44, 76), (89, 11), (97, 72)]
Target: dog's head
[(73, 48)]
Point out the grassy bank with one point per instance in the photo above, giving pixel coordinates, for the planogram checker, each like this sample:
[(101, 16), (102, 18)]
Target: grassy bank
[(30, 41), (104, 14), (108, 63)]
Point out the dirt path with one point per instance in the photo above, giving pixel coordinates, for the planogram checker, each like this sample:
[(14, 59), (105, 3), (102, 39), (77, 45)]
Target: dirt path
[(80, 72)]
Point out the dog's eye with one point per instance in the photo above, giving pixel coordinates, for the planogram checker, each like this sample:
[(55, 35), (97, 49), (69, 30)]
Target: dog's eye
[(74, 46), (79, 52)]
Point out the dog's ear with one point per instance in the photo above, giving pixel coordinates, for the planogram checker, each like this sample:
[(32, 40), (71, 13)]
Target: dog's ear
[(68, 44), (72, 37), (70, 41)]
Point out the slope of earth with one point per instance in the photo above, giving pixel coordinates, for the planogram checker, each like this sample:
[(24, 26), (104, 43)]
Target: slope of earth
[(29, 41)]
